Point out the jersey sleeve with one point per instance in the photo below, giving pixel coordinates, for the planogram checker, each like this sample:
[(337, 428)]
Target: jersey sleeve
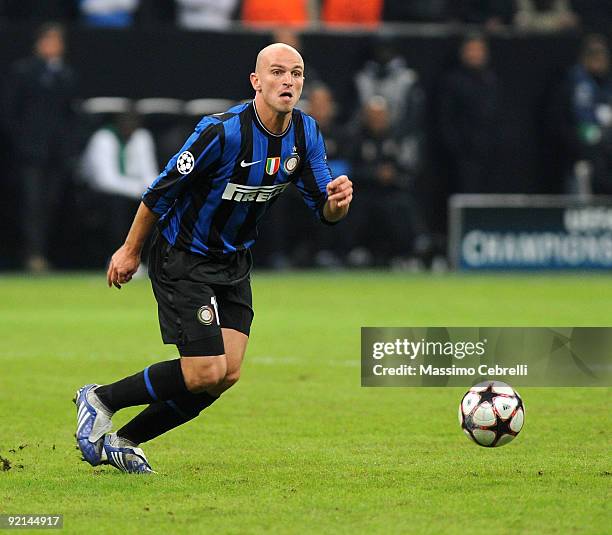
[(315, 175), (196, 159)]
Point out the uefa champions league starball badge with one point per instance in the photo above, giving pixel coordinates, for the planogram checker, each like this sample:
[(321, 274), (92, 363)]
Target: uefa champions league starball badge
[(184, 163)]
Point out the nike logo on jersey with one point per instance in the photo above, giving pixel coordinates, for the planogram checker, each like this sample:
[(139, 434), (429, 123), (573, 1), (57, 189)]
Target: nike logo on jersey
[(244, 164)]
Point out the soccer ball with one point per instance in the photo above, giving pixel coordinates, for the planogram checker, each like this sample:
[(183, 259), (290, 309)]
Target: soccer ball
[(491, 413)]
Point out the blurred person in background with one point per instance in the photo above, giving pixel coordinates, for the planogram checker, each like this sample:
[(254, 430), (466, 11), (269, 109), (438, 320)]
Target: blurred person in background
[(39, 117), (387, 223), (334, 243), (293, 13), (469, 118), (350, 13), (323, 107), (206, 14), (386, 74), (119, 163), (108, 13), (585, 119), (545, 16)]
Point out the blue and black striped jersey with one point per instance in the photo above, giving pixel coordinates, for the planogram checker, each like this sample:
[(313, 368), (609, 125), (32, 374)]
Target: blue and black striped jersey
[(213, 192)]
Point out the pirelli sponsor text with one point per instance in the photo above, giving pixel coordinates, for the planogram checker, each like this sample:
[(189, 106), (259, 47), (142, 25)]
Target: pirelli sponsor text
[(242, 193)]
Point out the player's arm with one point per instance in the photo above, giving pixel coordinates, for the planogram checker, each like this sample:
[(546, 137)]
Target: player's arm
[(199, 154), (329, 198), (126, 260)]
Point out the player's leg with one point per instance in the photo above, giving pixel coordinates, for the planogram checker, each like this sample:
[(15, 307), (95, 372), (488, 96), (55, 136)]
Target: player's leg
[(169, 406), (188, 318), (159, 418), (160, 382), (235, 347), (203, 363), (121, 448), (235, 312)]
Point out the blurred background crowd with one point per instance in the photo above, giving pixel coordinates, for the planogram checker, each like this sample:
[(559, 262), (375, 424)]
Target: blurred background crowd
[(417, 100), (492, 15)]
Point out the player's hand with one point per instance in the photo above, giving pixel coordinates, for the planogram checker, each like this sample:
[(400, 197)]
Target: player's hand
[(339, 193), (124, 263)]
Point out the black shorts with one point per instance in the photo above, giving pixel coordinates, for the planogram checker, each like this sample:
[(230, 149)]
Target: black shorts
[(198, 295)]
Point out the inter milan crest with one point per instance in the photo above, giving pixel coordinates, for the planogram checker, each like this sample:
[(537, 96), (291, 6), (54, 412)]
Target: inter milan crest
[(206, 315), (291, 163), (272, 165), (184, 163)]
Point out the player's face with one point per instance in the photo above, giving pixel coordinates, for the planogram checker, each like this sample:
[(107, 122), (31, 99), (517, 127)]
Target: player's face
[(280, 80)]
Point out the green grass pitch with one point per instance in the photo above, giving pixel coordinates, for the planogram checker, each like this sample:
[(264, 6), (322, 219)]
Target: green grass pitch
[(298, 446)]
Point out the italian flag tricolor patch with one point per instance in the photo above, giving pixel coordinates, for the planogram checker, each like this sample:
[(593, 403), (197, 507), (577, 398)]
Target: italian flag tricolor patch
[(272, 165)]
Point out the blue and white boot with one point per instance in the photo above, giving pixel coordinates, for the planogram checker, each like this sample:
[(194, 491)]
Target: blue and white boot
[(93, 422), (125, 455)]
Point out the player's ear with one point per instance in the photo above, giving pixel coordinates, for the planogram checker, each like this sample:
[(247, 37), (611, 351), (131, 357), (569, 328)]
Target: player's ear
[(255, 82)]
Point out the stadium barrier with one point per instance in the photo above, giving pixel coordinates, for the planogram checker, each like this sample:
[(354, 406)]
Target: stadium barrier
[(529, 232)]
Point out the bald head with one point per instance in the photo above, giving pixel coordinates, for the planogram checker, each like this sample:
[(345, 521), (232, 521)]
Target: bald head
[(278, 81), (277, 52)]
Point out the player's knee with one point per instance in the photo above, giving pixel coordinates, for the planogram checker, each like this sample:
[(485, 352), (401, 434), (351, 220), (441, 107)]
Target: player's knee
[(204, 372), (209, 376), (231, 378)]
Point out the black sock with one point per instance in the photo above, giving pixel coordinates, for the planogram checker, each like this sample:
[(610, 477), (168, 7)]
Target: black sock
[(158, 382), (162, 416)]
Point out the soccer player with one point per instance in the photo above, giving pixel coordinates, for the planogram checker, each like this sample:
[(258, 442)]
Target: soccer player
[(206, 205)]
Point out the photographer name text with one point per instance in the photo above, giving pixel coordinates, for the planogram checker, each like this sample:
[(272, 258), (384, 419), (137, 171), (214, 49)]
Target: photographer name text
[(424, 349)]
